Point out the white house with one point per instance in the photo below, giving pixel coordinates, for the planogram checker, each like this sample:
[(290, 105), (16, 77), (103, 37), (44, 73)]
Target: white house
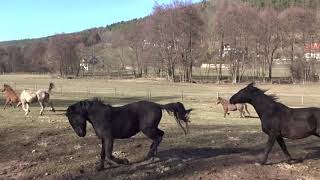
[(312, 51)]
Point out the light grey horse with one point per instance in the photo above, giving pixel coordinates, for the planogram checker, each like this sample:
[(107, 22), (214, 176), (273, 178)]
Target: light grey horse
[(29, 96)]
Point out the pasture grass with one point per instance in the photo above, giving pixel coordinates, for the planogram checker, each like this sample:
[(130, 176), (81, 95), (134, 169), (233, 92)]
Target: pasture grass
[(46, 146)]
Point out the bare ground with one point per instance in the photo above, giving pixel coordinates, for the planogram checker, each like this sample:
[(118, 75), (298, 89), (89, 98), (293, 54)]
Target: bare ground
[(45, 147)]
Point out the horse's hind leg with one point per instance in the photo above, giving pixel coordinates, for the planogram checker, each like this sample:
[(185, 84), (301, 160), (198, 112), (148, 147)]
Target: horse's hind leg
[(51, 105), (283, 146), (25, 107), (42, 104), (156, 135)]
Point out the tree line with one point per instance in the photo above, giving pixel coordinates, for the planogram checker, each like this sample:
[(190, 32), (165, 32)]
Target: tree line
[(246, 35)]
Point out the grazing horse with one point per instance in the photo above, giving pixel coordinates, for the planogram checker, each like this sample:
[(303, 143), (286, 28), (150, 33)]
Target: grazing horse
[(232, 107), (279, 121), (123, 122), (10, 95), (29, 96)]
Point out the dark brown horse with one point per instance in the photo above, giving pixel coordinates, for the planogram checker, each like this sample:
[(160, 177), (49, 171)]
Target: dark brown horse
[(227, 106), (10, 96), (279, 121)]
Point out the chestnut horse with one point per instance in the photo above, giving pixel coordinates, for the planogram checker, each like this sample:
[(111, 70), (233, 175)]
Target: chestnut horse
[(29, 96), (227, 106), (10, 96)]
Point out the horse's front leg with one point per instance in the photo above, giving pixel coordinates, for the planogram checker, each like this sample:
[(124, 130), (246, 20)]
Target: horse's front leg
[(271, 140), (102, 157), (241, 113), (225, 113), (6, 103), (106, 153)]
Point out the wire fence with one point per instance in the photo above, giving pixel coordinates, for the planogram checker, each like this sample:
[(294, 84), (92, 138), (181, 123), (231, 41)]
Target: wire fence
[(181, 94)]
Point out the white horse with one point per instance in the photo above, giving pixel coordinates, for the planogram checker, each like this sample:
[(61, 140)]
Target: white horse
[(29, 96)]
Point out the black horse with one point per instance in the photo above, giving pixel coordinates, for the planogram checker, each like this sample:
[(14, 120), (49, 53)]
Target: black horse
[(279, 121), (122, 122)]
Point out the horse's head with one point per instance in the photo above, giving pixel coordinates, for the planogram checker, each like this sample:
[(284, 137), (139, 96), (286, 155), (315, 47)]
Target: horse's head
[(5, 87), (77, 118), (218, 100), (244, 95)]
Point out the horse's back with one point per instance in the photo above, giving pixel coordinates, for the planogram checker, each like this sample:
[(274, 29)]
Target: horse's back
[(232, 107), (42, 94), (28, 95), (129, 119), (300, 122)]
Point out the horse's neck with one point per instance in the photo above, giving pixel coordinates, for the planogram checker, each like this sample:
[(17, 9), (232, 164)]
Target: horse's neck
[(224, 102), (263, 104)]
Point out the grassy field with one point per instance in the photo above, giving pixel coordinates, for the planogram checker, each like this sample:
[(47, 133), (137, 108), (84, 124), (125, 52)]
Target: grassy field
[(45, 147)]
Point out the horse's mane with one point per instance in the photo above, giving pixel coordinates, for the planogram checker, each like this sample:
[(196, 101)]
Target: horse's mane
[(270, 96), (83, 106), (7, 87)]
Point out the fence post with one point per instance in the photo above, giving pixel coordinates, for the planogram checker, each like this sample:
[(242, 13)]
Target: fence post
[(302, 100), (115, 92), (217, 94), (182, 95), (15, 86)]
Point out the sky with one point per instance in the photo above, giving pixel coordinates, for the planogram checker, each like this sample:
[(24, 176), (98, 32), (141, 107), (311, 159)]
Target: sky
[(23, 19)]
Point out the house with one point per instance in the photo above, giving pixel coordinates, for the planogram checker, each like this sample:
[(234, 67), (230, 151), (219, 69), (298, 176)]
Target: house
[(312, 51), (88, 64), (213, 66)]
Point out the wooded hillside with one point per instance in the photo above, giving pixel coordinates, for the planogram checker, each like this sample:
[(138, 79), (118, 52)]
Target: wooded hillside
[(246, 36)]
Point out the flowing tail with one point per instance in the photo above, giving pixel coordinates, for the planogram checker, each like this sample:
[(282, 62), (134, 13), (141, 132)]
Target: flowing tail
[(51, 86), (246, 108), (179, 112)]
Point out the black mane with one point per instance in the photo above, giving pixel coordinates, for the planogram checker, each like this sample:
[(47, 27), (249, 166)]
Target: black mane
[(84, 105), (272, 97)]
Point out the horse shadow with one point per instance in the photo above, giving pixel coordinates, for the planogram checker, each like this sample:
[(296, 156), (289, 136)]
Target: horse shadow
[(176, 160)]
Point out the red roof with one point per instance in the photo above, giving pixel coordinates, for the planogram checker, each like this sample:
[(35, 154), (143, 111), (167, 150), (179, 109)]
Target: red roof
[(312, 47)]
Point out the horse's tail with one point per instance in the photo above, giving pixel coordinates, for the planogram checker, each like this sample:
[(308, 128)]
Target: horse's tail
[(246, 108), (179, 112), (51, 86)]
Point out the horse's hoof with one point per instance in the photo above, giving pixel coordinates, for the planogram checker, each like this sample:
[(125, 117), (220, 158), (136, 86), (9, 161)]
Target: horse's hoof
[(294, 161), (258, 164), (261, 163), (99, 168), (125, 161)]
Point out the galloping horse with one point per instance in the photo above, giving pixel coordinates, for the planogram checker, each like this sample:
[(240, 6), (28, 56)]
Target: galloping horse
[(227, 106), (10, 95), (279, 121), (123, 122), (28, 96)]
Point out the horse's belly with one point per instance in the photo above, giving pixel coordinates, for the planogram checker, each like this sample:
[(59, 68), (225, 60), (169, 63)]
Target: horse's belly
[(125, 134), (232, 107), (127, 130)]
